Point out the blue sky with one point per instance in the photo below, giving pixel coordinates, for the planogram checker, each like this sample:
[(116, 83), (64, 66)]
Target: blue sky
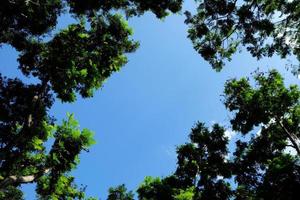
[(149, 107)]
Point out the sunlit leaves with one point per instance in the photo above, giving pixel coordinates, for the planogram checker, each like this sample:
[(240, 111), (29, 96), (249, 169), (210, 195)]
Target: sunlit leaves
[(76, 59), (64, 188), (187, 194), (270, 100), (69, 142)]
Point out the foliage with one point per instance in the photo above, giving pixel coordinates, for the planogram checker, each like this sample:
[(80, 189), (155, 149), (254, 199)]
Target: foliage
[(77, 59), (259, 167), (185, 194), (155, 188), (12, 192), (61, 63), (262, 164), (264, 27), (120, 193)]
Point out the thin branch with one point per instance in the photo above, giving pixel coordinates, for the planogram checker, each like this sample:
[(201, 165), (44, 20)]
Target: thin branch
[(291, 137)]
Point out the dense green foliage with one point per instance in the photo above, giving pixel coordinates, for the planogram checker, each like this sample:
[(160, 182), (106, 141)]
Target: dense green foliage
[(64, 63), (263, 165), (264, 27), (119, 193), (79, 58)]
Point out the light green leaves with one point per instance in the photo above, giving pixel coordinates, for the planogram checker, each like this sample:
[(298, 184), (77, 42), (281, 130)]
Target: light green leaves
[(187, 194)]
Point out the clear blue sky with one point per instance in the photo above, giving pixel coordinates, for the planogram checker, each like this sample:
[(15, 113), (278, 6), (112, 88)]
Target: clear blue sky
[(149, 107)]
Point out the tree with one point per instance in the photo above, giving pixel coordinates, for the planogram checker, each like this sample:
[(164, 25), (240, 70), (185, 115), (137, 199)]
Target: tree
[(120, 193), (75, 60), (264, 27), (259, 167)]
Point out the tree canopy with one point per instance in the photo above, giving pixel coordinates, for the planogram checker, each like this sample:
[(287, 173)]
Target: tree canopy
[(264, 163), (76, 60), (219, 29), (64, 63)]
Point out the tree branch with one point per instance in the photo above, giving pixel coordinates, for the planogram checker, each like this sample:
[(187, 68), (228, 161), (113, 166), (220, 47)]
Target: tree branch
[(13, 179), (291, 137)]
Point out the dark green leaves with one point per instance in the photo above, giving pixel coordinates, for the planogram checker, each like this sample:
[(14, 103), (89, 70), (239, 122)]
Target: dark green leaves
[(120, 193), (202, 161), (131, 7), (79, 60), (270, 100), (81, 57), (22, 19), (262, 165), (202, 169), (264, 27), (74, 60)]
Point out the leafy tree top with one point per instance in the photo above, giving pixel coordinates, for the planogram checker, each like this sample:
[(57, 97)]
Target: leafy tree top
[(67, 62), (260, 167), (80, 57), (263, 27)]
